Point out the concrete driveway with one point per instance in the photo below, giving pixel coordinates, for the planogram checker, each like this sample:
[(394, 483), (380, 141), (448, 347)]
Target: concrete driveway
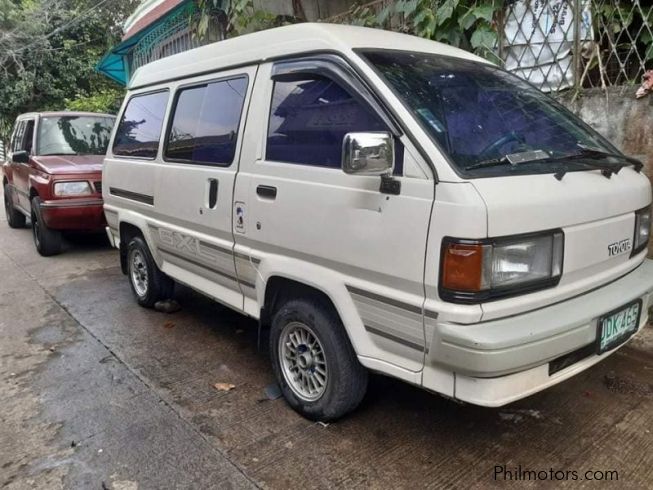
[(96, 392)]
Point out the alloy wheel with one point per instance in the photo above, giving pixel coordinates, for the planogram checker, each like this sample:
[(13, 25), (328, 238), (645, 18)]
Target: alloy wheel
[(303, 362)]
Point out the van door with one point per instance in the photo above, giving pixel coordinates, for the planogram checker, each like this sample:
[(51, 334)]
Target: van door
[(299, 204), (194, 189)]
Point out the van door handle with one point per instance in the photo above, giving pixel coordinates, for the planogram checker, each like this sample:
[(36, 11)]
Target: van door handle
[(213, 193), (267, 191)]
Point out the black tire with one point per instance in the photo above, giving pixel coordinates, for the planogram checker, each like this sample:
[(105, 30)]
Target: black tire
[(15, 219), (46, 240), (346, 379), (156, 285)]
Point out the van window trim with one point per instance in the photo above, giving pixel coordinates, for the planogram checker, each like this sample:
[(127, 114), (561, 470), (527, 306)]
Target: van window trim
[(339, 71), (171, 115), (122, 113), (349, 61)]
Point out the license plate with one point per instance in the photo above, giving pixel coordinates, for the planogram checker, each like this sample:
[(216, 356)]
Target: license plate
[(617, 326)]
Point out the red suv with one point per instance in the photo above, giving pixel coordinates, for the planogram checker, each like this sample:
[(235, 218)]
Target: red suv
[(53, 174)]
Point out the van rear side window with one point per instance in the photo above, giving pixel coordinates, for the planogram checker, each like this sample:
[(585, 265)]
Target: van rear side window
[(205, 123), (140, 127)]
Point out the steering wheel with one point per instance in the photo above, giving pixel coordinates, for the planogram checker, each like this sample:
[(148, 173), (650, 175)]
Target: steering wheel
[(496, 145)]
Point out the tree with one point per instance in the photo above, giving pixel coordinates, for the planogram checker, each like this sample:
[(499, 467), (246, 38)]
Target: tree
[(48, 52)]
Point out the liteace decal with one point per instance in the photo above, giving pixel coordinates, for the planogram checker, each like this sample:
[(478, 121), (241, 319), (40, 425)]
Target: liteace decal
[(619, 248), (187, 244)]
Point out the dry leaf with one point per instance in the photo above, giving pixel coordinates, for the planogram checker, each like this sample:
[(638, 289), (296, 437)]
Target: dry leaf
[(168, 325), (224, 386)]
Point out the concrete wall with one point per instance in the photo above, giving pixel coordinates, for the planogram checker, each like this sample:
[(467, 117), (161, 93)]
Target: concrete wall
[(616, 114), (625, 121)]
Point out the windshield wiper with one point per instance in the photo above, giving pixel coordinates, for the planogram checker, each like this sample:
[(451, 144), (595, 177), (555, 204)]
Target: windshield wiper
[(606, 169), (585, 152), (513, 159), (589, 152)]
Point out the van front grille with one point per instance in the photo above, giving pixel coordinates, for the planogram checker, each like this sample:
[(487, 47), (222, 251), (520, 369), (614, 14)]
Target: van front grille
[(567, 360)]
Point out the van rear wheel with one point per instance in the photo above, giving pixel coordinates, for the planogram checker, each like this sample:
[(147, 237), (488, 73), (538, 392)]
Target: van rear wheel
[(15, 219), (314, 363), (148, 283)]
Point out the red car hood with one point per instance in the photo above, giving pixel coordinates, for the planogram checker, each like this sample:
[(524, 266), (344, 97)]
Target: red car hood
[(69, 164)]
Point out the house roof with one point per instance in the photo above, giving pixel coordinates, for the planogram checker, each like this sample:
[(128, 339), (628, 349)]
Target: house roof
[(148, 12), (146, 18), (284, 41)]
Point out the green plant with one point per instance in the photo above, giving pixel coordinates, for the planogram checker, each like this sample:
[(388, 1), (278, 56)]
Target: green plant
[(235, 16), (106, 100), (468, 24)]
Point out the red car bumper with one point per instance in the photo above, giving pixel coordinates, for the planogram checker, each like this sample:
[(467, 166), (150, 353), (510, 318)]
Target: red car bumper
[(74, 214)]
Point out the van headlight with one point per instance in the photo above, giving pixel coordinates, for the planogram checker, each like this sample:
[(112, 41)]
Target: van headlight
[(642, 230), (80, 188), (472, 271)]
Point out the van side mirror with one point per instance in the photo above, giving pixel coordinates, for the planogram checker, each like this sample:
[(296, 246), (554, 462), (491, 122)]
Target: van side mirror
[(368, 153), (20, 157)]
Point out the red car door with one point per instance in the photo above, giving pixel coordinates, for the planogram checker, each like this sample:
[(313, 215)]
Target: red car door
[(21, 171)]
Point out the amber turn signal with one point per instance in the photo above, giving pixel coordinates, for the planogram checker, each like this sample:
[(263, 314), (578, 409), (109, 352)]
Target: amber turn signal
[(462, 267)]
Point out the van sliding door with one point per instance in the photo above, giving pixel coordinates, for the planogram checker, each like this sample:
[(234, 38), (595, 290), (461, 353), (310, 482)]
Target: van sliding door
[(195, 183)]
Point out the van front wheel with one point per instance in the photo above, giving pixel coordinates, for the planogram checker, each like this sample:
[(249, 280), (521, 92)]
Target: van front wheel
[(314, 363), (147, 281)]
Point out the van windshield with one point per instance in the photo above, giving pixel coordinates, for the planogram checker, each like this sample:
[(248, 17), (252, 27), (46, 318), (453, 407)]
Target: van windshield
[(488, 121), (74, 135)]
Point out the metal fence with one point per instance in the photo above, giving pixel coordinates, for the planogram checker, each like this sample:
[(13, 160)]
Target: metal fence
[(557, 44), (173, 36)]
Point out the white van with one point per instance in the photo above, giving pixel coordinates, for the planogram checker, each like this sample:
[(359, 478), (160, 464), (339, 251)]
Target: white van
[(383, 203)]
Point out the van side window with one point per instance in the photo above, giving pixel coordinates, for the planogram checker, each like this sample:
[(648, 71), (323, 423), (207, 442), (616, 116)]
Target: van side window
[(140, 127), (309, 119), (205, 123)]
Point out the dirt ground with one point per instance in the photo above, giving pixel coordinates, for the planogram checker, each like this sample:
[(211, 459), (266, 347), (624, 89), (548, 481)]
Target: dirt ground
[(98, 393)]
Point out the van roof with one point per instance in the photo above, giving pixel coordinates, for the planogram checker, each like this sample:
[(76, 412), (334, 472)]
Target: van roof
[(284, 41)]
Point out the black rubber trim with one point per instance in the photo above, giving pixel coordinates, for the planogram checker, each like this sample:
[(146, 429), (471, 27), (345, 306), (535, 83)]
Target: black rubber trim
[(396, 339), (132, 196), (383, 299), (431, 314)]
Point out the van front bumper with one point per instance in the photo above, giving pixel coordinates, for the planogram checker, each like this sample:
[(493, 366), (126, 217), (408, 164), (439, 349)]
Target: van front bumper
[(500, 361)]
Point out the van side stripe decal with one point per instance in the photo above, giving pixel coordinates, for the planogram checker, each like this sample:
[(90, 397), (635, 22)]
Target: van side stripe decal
[(431, 314), (132, 196), (383, 299), (205, 266), (399, 340)]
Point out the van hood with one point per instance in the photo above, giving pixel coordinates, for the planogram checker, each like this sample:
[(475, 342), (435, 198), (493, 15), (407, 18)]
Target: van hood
[(594, 212), (523, 204), (69, 164)]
